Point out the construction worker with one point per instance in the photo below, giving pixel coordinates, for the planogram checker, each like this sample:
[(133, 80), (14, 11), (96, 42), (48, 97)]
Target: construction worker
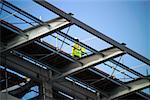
[(77, 50)]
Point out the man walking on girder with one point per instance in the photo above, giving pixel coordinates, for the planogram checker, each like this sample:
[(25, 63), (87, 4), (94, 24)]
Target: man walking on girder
[(77, 50)]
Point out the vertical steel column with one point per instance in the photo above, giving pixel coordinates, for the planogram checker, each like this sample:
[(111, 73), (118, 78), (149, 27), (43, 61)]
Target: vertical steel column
[(47, 88)]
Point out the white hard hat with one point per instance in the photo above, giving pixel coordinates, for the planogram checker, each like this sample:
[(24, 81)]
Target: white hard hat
[(75, 38)]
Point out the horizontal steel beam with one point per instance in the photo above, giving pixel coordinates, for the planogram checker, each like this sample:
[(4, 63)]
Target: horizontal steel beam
[(39, 74), (38, 32), (88, 61), (45, 45), (12, 28), (20, 11), (95, 51), (135, 85), (74, 90), (17, 17), (127, 68), (75, 41), (6, 96), (21, 91), (94, 70), (24, 67), (91, 30)]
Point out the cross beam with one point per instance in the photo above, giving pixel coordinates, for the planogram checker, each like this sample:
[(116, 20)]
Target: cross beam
[(135, 85), (39, 74), (95, 51), (91, 30), (89, 61), (127, 68), (37, 32)]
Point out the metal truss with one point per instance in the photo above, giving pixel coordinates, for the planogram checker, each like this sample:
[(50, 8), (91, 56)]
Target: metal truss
[(38, 32), (135, 85), (95, 51), (89, 61), (9, 5), (92, 30), (41, 74)]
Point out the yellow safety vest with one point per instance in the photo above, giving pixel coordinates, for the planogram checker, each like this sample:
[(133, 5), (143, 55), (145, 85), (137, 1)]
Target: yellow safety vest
[(77, 50)]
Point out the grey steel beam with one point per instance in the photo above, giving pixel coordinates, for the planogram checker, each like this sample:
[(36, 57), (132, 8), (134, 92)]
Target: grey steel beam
[(21, 91), (24, 67), (14, 29), (135, 85), (127, 68), (17, 17), (89, 61), (91, 30), (95, 51), (109, 78), (38, 32), (39, 74), (43, 44), (142, 94), (73, 40), (74, 90), (118, 70), (6, 96), (20, 11)]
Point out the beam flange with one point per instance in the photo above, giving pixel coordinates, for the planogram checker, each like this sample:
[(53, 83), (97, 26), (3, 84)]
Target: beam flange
[(135, 85), (20, 11), (74, 89), (39, 74), (127, 68), (95, 51), (24, 67), (89, 61), (91, 30), (38, 32)]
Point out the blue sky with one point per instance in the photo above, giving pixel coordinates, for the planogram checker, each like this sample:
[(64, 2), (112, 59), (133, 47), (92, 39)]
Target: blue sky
[(125, 21)]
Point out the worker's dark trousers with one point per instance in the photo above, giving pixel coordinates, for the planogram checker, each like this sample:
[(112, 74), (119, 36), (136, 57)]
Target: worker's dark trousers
[(76, 57)]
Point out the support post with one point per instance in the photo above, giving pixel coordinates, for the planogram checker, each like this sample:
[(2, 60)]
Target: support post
[(46, 89)]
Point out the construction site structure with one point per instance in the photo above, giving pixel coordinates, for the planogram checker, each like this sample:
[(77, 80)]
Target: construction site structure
[(29, 64)]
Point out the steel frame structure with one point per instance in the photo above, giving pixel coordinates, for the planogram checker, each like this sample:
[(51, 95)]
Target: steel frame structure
[(92, 30), (40, 74), (95, 51), (9, 5)]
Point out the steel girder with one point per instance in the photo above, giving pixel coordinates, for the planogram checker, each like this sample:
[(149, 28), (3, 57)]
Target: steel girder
[(9, 5), (91, 30), (127, 68), (37, 32), (89, 61), (95, 51), (21, 91), (121, 84), (39, 74), (135, 85), (6, 96), (74, 90), (53, 50), (24, 67)]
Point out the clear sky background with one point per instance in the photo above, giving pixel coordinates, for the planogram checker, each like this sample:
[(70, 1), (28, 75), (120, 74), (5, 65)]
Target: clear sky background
[(125, 21)]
